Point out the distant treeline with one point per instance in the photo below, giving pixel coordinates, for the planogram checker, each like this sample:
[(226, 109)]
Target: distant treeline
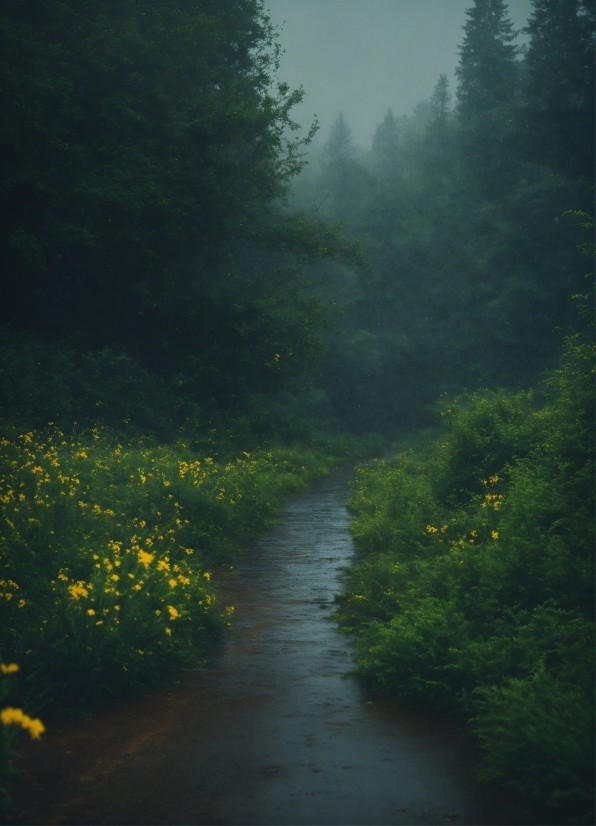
[(155, 275), (461, 211)]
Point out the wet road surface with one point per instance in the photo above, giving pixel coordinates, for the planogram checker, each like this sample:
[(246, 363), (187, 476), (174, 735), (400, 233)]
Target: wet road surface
[(270, 732)]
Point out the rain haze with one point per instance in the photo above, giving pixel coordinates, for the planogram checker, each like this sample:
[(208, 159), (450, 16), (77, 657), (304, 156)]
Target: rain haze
[(360, 57), (297, 439)]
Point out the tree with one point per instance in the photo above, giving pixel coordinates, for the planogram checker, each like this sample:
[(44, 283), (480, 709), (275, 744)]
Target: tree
[(488, 75), (560, 87), (344, 178), (439, 101), (143, 149), (340, 144), (386, 138), (486, 71), (439, 136)]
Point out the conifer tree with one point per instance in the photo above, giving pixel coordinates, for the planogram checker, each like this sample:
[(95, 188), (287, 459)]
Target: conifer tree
[(340, 143), (560, 89), (386, 138), (488, 74), (439, 103), (487, 70)]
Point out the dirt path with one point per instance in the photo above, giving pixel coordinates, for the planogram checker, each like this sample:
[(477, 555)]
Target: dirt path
[(270, 733)]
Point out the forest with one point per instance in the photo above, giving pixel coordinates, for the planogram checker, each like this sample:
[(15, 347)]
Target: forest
[(203, 312)]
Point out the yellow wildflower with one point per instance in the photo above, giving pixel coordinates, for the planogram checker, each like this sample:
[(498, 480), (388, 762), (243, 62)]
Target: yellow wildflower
[(15, 716), (169, 632), (495, 534), (174, 614), (145, 558), (77, 591), (11, 668), (91, 612), (172, 583)]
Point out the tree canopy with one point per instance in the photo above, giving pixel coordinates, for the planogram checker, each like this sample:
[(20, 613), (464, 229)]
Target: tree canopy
[(144, 150)]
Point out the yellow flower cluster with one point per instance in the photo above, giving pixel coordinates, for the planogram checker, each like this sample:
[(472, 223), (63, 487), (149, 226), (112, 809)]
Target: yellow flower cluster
[(15, 717), (493, 500)]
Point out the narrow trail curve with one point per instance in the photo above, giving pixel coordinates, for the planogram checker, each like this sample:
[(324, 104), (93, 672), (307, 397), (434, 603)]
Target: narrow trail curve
[(270, 733)]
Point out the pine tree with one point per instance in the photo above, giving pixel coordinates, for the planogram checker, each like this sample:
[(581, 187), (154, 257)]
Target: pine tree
[(439, 103), (488, 75), (340, 143), (487, 69), (560, 88), (386, 138)]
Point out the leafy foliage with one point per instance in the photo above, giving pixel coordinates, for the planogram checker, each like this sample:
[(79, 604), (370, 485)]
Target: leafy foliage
[(144, 160), (474, 585), (107, 550)]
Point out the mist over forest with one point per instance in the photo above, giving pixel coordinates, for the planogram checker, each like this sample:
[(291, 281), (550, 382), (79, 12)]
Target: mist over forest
[(461, 206), (207, 305)]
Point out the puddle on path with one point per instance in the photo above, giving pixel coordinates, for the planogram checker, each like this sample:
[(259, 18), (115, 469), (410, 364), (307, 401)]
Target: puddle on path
[(270, 733)]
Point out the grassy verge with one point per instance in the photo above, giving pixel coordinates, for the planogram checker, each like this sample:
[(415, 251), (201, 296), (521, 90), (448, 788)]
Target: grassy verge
[(106, 553), (473, 589)]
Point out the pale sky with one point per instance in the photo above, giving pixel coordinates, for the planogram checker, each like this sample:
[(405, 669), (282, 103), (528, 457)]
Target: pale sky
[(361, 57)]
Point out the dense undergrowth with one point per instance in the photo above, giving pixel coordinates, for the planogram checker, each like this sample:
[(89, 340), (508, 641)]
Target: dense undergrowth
[(473, 590), (106, 554)]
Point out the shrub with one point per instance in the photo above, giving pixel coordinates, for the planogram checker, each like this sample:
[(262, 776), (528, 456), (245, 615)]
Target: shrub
[(473, 588)]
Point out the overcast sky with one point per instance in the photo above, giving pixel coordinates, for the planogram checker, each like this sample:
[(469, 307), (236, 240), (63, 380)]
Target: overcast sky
[(361, 57)]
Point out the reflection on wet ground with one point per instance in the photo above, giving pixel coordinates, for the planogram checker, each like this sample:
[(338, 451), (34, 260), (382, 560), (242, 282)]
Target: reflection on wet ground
[(271, 732)]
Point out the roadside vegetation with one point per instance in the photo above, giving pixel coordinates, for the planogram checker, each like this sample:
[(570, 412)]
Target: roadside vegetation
[(156, 338), (184, 342), (473, 589), (107, 551)]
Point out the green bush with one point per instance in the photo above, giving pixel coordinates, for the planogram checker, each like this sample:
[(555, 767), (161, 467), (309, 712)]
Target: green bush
[(473, 588)]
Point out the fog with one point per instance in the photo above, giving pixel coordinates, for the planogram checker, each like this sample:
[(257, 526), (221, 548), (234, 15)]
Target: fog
[(361, 57)]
